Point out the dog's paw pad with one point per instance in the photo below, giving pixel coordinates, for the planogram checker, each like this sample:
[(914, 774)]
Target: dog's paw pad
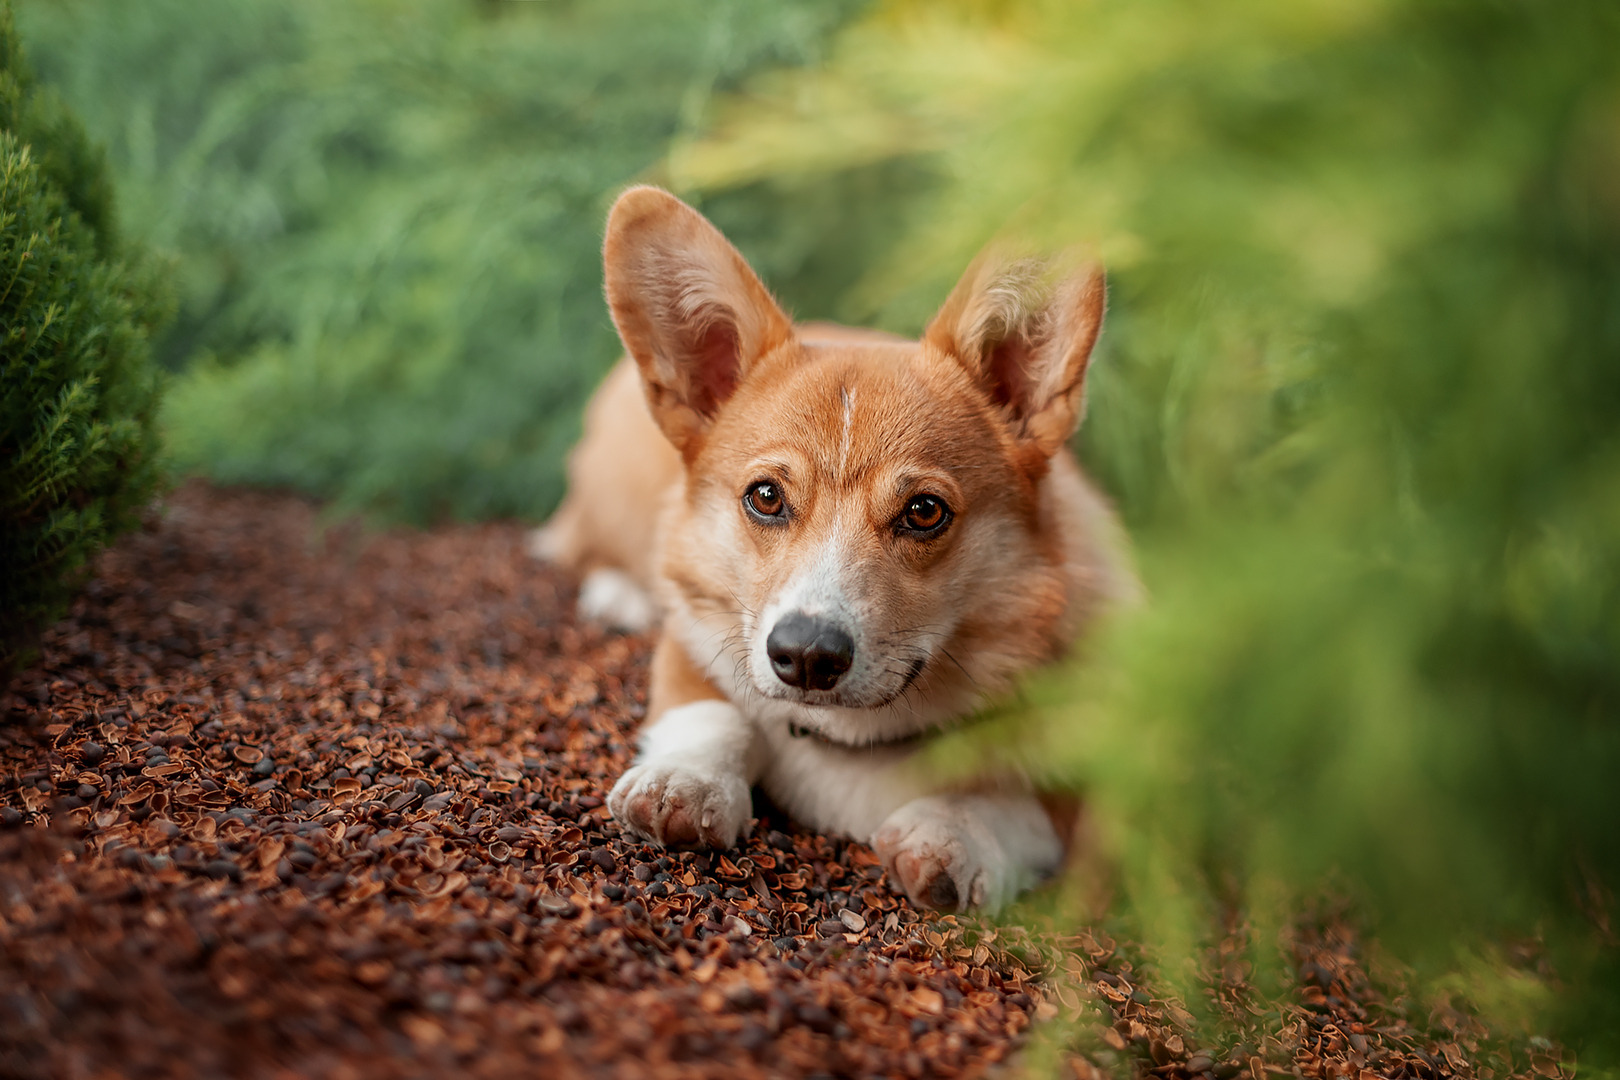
[(926, 878), (931, 864), (944, 852), (679, 806)]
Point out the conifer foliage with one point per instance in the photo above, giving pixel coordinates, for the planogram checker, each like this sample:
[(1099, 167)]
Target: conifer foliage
[(388, 218), (1358, 400), (77, 393)]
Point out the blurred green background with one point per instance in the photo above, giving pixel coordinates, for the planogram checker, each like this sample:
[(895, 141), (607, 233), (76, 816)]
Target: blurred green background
[(1358, 399), (387, 216)]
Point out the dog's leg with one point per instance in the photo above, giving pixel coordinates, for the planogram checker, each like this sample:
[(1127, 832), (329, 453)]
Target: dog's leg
[(944, 849), (956, 851), (699, 758), (691, 782), (613, 599)]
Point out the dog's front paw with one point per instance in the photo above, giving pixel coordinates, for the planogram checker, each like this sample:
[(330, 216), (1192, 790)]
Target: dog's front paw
[(946, 853), (678, 805)]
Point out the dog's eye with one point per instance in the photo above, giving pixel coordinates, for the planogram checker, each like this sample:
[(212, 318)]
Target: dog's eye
[(764, 500), (926, 515)]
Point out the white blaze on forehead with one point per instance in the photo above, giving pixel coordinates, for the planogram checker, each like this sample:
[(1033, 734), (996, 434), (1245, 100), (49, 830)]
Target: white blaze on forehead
[(848, 396)]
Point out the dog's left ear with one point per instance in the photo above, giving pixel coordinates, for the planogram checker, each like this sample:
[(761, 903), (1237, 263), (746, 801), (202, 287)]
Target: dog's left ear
[(1026, 333)]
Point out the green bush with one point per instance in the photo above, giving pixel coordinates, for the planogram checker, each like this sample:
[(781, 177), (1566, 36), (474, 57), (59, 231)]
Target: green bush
[(389, 217), (77, 390), (1359, 399)]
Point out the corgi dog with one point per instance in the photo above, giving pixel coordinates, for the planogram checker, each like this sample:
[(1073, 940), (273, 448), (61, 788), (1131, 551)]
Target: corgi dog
[(848, 541)]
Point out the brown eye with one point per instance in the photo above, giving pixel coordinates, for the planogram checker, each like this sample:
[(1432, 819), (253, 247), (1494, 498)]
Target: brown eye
[(926, 514), (764, 500)]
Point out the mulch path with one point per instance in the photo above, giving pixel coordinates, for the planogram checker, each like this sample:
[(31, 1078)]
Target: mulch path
[(285, 800)]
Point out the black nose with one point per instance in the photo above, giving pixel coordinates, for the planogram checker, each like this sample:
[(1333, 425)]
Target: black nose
[(809, 653)]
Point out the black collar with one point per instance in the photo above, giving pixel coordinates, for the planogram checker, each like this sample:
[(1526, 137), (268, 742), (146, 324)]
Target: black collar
[(799, 731)]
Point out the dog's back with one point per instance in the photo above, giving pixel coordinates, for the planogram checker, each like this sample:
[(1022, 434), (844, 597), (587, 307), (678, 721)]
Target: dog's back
[(603, 531)]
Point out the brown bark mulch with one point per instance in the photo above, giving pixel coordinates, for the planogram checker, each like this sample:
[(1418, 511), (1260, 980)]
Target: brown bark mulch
[(280, 800)]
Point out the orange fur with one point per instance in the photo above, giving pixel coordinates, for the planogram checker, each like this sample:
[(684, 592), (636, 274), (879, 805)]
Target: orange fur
[(848, 427)]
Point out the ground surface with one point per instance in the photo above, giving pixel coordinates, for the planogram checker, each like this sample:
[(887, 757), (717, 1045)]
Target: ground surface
[(285, 802)]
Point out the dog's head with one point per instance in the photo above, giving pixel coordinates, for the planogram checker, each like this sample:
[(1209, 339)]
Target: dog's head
[(866, 534)]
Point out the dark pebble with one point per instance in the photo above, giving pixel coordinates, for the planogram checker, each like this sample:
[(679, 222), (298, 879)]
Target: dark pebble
[(265, 767), (816, 1018), (643, 872), (91, 753), (86, 792), (604, 858), (753, 1037)]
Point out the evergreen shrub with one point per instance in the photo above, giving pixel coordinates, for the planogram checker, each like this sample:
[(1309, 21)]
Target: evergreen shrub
[(78, 448), (1359, 400), (389, 217)]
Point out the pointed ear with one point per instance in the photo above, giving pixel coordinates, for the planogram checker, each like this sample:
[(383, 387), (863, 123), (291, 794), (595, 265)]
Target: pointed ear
[(690, 311), (1026, 333)]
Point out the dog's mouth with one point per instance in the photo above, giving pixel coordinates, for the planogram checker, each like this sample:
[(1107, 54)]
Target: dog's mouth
[(913, 671), (844, 698)]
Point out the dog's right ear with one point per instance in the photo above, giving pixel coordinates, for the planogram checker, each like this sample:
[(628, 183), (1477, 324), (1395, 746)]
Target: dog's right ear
[(689, 309)]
